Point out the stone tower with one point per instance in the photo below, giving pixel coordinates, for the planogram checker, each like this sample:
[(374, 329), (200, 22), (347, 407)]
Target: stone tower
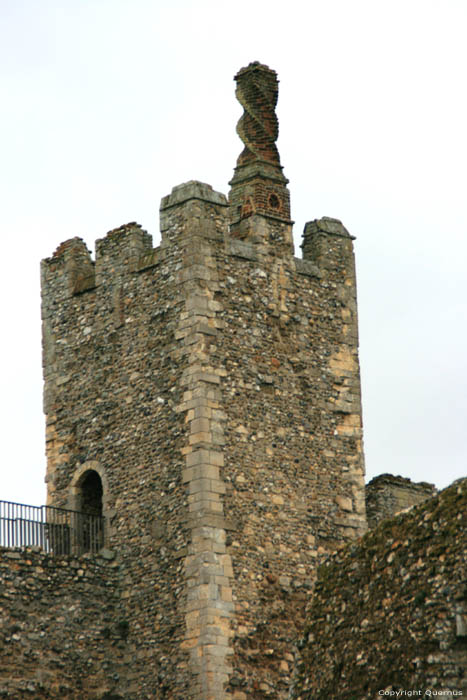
[(204, 396)]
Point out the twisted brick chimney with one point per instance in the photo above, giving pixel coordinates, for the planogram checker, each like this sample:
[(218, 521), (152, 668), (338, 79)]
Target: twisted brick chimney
[(258, 185)]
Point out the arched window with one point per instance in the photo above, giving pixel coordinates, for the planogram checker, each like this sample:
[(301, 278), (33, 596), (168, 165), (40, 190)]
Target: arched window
[(88, 491), (91, 525), (91, 493), (88, 495)]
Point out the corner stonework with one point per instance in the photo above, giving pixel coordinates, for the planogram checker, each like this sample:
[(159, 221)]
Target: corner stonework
[(193, 215)]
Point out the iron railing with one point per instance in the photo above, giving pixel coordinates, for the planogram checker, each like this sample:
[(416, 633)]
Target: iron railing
[(55, 530)]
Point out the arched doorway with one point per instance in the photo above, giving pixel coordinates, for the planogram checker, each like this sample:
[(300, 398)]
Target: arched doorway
[(88, 496), (91, 493), (91, 524)]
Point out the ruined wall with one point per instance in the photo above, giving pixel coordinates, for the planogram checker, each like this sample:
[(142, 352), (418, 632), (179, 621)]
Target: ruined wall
[(62, 629), (386, 495), (389, 613)]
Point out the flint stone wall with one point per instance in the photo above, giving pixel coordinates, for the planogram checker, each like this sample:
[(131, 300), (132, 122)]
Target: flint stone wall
[(390, 612), (386, 495), (294, 464), (112, 384), (212, 385), (62, 630)]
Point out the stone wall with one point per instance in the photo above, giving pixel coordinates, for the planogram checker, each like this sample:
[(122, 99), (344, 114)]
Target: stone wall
[(386, 495), (62, 630), (389, 613), (210, 387), (113, 382), (294, 467)]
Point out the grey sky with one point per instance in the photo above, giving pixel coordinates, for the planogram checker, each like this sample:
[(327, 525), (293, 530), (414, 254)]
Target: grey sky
[(107, 104)]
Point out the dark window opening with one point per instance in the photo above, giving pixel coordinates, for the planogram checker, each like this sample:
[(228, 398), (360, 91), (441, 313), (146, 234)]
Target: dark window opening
[(91, 494), (92, 528), (274, 202)]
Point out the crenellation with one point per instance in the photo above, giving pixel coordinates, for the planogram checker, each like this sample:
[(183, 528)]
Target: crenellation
[(119, 252), (328, 244), (193, 210), (69, 271)]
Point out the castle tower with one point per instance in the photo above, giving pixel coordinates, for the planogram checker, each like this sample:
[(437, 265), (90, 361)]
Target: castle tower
[(205, 397)]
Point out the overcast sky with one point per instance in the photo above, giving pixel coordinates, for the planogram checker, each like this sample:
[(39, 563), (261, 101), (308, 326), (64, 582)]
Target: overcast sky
[(108, 104)]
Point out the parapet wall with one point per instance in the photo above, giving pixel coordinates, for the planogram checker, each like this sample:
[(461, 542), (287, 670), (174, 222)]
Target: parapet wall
[(62, 631), (389, 613)]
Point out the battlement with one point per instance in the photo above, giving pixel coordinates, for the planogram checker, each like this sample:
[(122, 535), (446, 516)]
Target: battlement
[(72, 271), (70, 266), (126, 243), (192, 190), (192, 211)]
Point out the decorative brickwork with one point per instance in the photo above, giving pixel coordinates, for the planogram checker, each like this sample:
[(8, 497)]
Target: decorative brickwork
[(257, 92), (258, 185)]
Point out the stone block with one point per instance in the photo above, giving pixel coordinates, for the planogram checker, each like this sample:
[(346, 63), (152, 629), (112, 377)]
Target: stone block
[(201, 471), (344, 503)]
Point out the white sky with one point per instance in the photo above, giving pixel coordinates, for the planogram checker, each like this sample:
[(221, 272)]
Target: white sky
[(107, 104)]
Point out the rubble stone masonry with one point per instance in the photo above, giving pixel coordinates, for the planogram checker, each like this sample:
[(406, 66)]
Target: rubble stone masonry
[(213, 383), (62, 627), (389, 613), (386, 495)]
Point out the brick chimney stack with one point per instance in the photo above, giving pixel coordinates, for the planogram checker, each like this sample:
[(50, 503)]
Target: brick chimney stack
[(258, 186)]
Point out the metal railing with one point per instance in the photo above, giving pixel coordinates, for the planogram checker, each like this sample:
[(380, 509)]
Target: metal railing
[(55, 530)]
